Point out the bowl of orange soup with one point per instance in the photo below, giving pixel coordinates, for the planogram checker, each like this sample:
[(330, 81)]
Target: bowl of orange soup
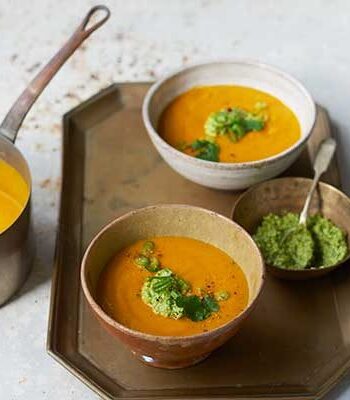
[(229, 125), (172, 282)]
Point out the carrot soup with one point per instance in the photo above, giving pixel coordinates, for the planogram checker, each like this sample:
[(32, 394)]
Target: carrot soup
[(172, 286), (231, 124)]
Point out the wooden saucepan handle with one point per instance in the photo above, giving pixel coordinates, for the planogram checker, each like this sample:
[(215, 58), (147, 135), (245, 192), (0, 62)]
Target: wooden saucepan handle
[(14, 118)]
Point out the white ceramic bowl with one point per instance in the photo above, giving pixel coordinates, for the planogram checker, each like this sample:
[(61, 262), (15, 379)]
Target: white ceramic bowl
[(236, 72)]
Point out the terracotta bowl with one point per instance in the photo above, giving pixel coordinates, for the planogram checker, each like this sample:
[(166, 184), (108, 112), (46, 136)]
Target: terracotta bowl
[(232, 72), (173, 220), (288, 194)]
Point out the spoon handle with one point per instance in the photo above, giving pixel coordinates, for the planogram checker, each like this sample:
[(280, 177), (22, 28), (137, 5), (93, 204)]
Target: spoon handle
[(14, 118), (322, 161)]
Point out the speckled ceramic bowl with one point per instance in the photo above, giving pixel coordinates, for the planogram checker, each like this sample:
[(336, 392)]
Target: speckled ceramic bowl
[(236, 72), (172, 220)]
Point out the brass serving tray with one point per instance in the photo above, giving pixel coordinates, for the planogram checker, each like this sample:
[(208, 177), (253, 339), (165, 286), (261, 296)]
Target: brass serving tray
[(296, 345)]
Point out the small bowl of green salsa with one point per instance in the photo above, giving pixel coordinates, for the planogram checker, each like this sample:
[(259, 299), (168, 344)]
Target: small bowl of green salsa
[(270, 213)]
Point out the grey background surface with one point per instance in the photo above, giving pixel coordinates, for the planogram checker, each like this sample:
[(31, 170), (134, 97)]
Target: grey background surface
[(142, 41)]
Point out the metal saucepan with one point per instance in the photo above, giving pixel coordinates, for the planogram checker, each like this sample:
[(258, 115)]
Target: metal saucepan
[(16, 243)]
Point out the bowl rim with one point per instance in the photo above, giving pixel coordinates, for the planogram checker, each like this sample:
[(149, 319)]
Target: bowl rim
[(159, 338), (154, 135), (293, 271)]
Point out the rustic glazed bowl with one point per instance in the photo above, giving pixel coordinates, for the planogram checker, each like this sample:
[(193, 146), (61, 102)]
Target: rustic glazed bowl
[(236, 72), (172, 220), (289, 194)]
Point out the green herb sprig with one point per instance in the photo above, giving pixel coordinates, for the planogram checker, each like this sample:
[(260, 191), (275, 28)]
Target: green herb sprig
[(197, 308), (206, 150)]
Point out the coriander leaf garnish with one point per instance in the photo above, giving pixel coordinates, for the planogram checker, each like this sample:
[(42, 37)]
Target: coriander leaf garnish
[(196, 308), (193, 307), (206, 150), (211, 303)]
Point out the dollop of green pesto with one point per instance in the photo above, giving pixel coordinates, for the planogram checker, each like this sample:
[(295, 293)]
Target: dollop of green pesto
[(162, 291), (168, 295), (233, 122), (331, 245), (287, 244), (284, 242)]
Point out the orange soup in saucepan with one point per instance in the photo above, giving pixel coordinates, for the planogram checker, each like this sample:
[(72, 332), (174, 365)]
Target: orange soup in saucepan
[(172, 286), (14, 194), (239, 123)]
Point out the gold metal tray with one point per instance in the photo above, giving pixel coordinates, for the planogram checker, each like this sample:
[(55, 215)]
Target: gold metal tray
[(295, 345)]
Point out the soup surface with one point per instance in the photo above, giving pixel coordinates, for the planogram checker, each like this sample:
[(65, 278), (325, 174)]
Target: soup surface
[(202, 265), (14, 194), (184, 118)]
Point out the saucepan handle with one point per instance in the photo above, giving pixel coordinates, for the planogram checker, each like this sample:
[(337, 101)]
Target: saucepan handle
[(13, 120)]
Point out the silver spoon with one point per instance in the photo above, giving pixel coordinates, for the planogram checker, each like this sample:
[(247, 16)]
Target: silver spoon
[(323, 158)]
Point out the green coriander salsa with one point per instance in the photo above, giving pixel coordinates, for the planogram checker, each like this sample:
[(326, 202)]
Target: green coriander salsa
[(287, 244), (169, 295), (234, 123)]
